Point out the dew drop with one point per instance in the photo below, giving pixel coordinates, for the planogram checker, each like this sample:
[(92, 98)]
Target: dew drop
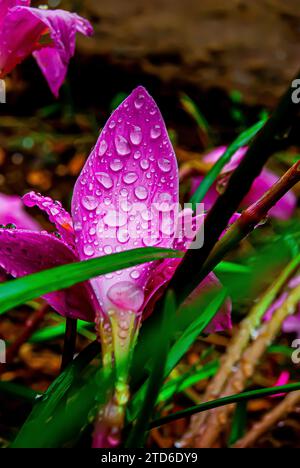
[(164, 164), (144, 164), (130, 178), (126, 295), (135, 274), (141, 192), (102, 148), (123, 235), (136, 135), (116, 165), (139, 101), (155, 132), (88, 250), (89, 202), (137, 155), (122, 145), (107, 249), (104, 179)]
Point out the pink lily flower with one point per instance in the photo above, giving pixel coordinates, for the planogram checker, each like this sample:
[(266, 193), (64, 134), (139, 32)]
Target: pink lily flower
[(132, 167), (49, 35), (282, 210)]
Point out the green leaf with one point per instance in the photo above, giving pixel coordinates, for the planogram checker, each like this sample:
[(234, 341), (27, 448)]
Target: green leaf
[(180, 384), (18, 291), (19, 391), (193, 110), (236, 398), (157, 372), (242, 140), (229, 267), (239, 423)]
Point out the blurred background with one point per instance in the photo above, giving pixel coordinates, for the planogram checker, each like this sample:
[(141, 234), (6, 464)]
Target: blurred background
[(232, 58)]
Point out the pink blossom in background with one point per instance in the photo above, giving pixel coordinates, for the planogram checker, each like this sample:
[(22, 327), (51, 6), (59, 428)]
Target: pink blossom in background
[(283, 379), (133, 164), (283, 209), (50, 35), (12, 212)]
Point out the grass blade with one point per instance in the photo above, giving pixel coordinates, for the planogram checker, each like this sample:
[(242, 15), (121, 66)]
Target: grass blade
[(18, 291), (238, 397)]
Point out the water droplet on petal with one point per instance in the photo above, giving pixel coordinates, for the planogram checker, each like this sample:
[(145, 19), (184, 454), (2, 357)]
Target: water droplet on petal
[(122, 145), (107, 249), (89, 202), (141, 192), (130, 177), (104, 179), (144, 164), (164, 164), (136, 135), (102, 148), (116, 165), (126, 295), (135, 274), (123, 235), (88, 250), (155, 132), (137, 155), (139, 101)]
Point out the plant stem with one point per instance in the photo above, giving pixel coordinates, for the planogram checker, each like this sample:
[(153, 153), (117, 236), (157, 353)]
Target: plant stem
[(273, 136), (69, 343)]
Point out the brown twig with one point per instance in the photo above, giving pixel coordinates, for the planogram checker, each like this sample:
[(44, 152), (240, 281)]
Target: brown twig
[(269, 420), (217, 418)]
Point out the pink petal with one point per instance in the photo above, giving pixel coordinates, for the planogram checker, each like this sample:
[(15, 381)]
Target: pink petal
[(235, 160), (284, 208), (25, 252), (283, 379), (292, 324), (5, 5), (57, 214), (12, 212), (32, 24), (132, 167)]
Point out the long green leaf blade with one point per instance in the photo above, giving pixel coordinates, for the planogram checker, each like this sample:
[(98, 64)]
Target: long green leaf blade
[(18, 291)]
